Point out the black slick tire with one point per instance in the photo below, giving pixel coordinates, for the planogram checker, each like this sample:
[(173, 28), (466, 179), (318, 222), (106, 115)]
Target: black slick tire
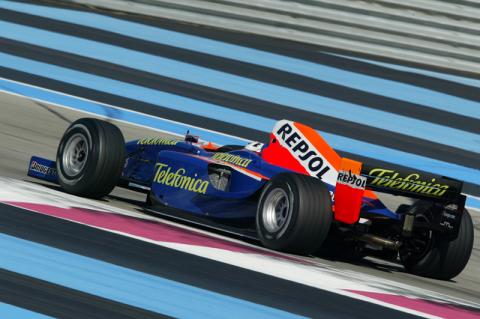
[(308, 217), (444, 259), (102, 163)]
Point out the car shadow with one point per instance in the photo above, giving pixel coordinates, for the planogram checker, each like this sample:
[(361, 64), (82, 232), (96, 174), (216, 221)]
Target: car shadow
[(140, 203), (55, 187)]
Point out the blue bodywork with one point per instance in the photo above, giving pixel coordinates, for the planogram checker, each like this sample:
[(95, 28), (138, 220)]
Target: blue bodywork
[(178, 173), (151, 165), (43, 169)]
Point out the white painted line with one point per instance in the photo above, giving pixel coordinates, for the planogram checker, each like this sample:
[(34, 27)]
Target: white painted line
[(110, 106)]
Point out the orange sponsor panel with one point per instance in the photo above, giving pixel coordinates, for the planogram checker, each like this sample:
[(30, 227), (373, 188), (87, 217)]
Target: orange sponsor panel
[(276, 154), (320, 144), (349, 191)]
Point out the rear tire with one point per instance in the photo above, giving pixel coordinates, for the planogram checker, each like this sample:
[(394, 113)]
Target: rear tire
[(294, 214), (90, 158), (444, 259)]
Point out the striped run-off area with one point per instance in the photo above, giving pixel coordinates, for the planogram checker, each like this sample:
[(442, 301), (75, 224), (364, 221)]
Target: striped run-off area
[(67, 257)]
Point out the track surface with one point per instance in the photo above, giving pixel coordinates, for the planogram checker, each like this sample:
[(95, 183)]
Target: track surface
[(35, 128), (231, 91)]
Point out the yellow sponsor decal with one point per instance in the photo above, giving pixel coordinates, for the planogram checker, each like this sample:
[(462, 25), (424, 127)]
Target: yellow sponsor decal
[(165, 176), (232, 159), (157, 141), (411, 183)]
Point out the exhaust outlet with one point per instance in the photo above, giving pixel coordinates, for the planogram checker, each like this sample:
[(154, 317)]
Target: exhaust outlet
[(380, 241)]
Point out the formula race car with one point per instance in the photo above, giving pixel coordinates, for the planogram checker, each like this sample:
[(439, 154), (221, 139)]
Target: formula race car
[(294, 194)]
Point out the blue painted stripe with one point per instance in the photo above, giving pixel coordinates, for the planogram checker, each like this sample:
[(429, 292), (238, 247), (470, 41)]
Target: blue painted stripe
[(236, 84), (124, 285), (136, 92), (11, 312), (389, 88), (473, 202), (115, 113), (337, 142), (443, 76)]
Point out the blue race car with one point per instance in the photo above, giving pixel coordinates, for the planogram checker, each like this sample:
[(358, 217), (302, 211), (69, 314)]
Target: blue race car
[(294, 193)]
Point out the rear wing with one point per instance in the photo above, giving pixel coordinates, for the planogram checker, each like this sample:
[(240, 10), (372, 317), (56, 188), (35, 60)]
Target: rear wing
[(357, 180), (411, 183)]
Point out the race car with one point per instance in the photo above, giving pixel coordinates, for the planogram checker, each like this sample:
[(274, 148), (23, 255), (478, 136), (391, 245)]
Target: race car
[(294, 194)]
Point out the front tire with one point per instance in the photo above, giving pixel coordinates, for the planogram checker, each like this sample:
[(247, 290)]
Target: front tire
[(294, 214), (90, 158), (442, 258)]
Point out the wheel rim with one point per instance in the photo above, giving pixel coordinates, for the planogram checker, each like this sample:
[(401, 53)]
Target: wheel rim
[(75, 154), (276, 210), (421, 241)]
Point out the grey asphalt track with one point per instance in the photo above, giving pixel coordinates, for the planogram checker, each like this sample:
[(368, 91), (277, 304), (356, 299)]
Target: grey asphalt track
[(28, 127)]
